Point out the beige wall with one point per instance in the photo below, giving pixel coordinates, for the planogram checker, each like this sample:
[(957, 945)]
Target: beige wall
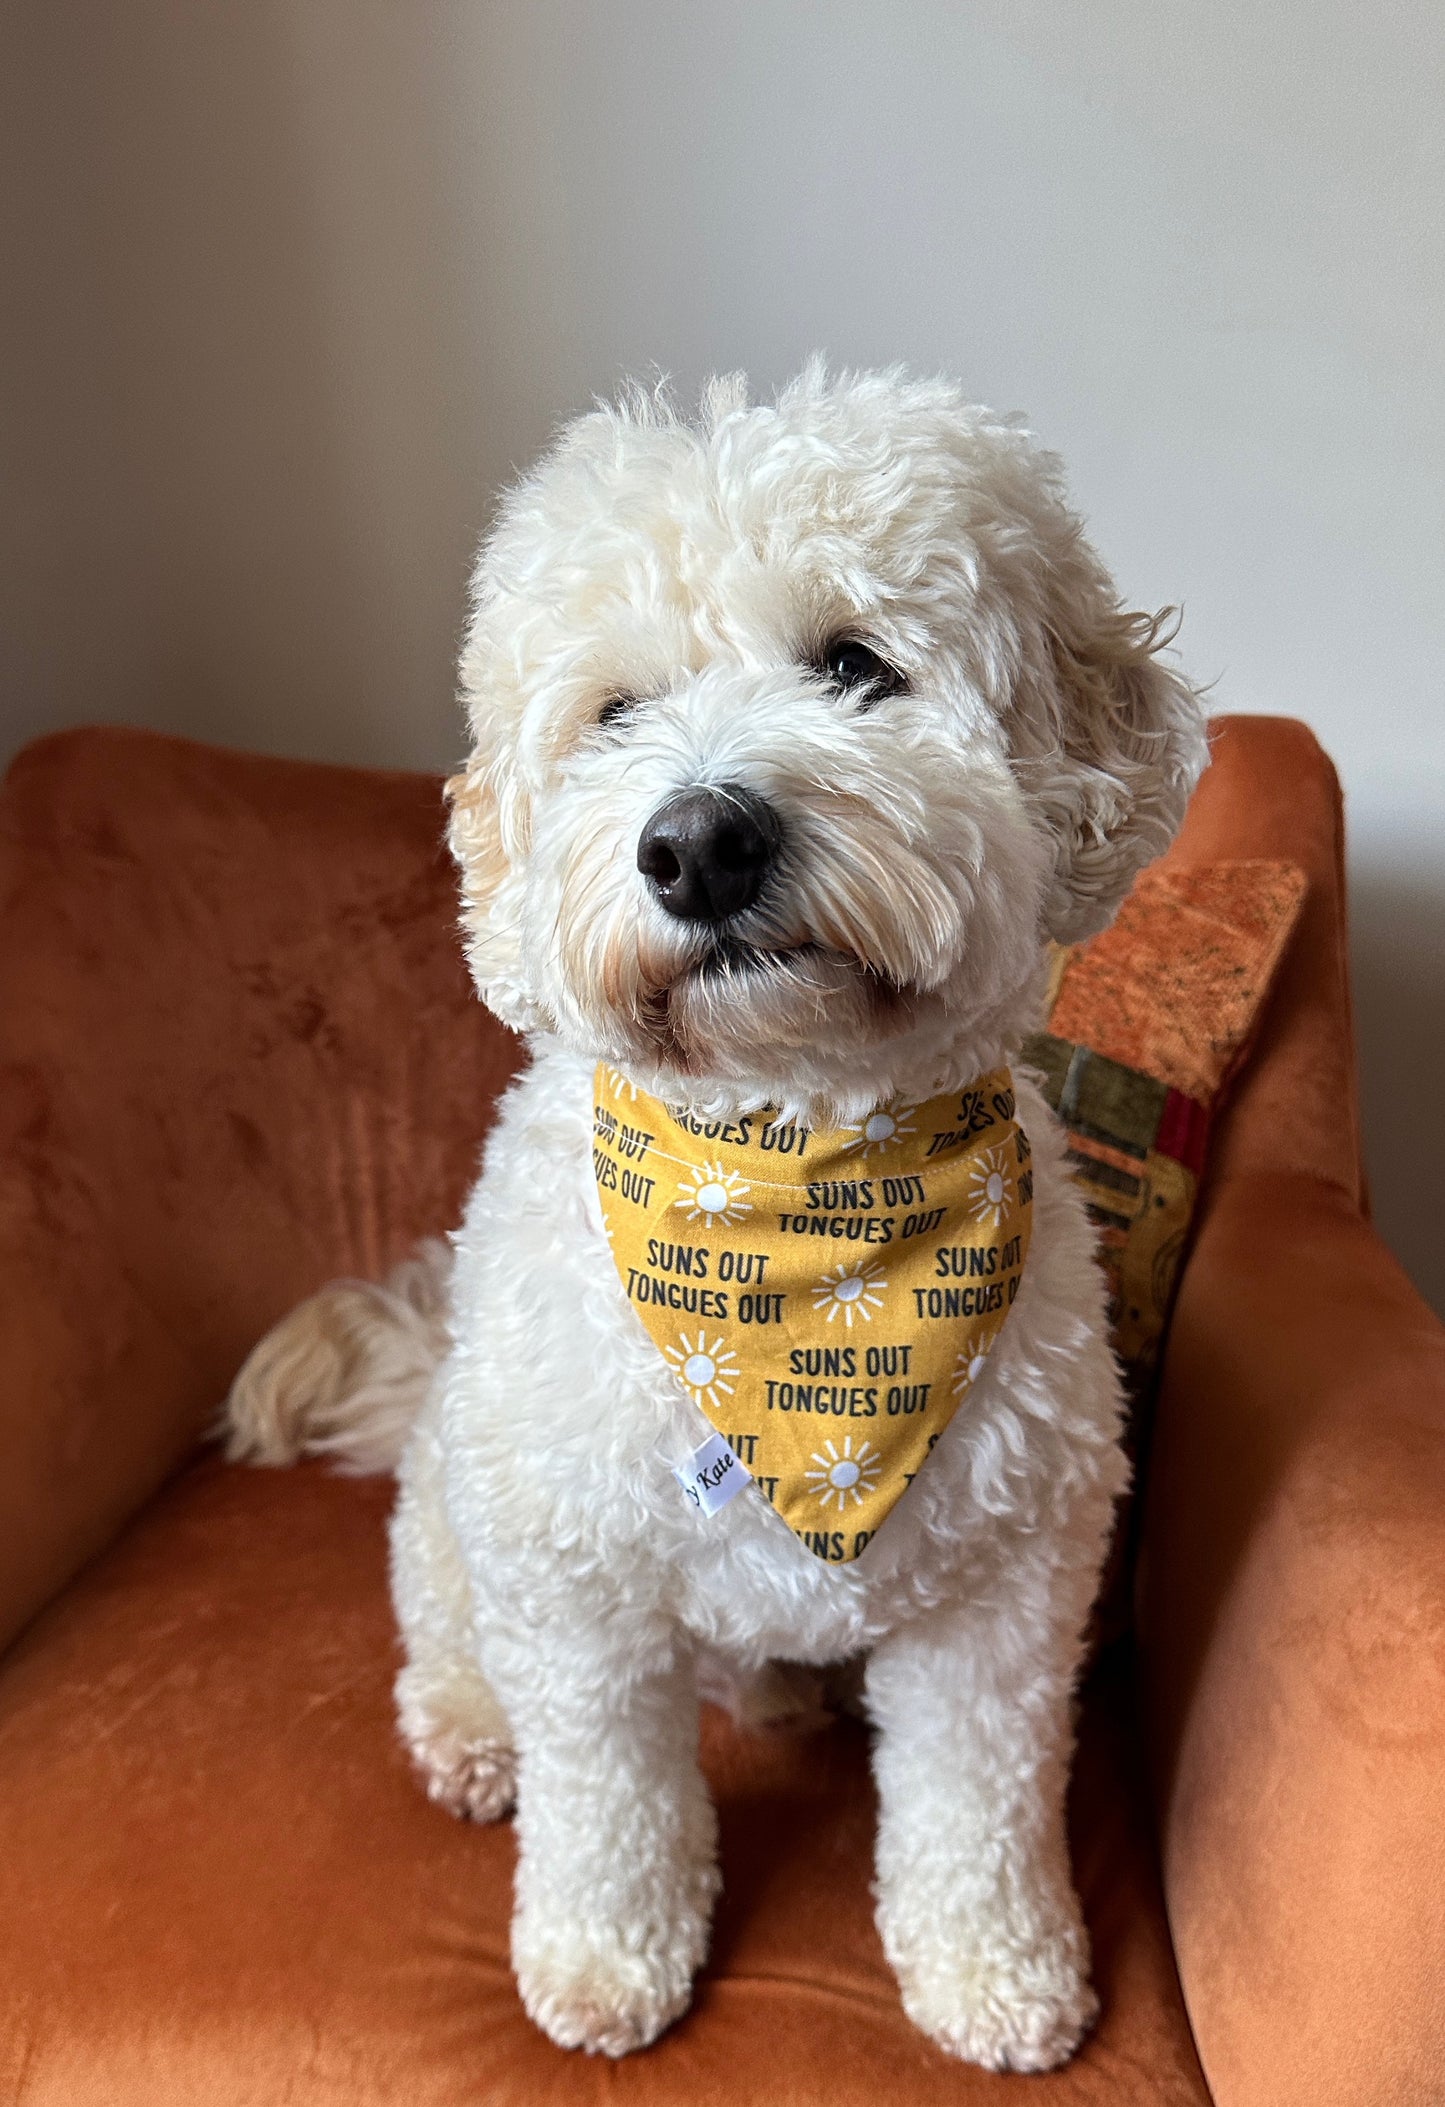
[(288, 285)]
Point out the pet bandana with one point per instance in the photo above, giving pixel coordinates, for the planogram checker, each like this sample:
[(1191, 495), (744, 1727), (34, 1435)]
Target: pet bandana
[(828, 1300)]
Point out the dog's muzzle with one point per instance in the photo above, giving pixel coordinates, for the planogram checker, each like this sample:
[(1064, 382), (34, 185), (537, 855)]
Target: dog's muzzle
[(706, 853)]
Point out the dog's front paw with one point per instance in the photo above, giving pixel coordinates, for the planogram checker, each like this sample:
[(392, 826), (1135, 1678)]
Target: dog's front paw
[(606, 1995), (476, 1780), (1022, 2010)]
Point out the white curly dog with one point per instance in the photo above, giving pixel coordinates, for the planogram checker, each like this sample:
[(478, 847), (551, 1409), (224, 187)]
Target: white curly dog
[(861, 635)]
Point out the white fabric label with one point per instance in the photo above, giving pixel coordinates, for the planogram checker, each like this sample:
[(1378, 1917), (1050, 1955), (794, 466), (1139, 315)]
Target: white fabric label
[(711, 1475)]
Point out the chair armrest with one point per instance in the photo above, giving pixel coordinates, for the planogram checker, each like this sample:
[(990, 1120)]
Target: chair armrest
[(99, 1397), (1292, 1619), (238, 1055)]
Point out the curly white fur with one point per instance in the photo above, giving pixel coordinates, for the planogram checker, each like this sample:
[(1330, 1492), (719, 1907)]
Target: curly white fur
[(555, 1592)]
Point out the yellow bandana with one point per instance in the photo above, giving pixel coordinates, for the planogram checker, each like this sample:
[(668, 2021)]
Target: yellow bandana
[(827, 1299)]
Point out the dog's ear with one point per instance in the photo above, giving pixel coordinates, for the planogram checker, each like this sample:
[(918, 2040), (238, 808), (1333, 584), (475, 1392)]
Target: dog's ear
[(487, 834), (1108, 739)]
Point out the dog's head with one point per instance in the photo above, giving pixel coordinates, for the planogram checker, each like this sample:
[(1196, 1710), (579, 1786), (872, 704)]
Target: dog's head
[(799, 730)]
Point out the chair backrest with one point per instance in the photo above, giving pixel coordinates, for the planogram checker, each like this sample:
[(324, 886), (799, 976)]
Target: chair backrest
[(239, 1055)]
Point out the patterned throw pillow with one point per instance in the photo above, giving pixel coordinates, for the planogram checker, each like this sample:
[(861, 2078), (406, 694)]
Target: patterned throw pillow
[(1146, 1025)]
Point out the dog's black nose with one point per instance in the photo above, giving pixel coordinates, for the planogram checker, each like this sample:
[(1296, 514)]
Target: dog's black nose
[(705, 853)]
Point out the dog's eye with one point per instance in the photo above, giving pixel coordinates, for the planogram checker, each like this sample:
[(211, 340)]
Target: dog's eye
[(616, 708), (854, 668)]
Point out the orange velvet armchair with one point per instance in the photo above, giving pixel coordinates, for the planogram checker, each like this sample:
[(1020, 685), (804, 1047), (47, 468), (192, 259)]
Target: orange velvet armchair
[(238, 1056)]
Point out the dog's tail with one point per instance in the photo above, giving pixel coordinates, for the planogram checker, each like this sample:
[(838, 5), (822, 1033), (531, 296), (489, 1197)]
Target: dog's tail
[(346, 1373)]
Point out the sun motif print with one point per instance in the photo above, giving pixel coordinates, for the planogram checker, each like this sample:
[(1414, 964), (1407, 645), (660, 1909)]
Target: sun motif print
[(991, 1189), (712, 1194), (622, 1086), (854, 1472), (971, 1362), (891, 1123), (809, 1287), (706, 1367), (853, 1287)]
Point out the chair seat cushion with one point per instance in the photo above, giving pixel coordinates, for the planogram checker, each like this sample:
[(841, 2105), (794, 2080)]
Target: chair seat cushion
[(220, 1883)]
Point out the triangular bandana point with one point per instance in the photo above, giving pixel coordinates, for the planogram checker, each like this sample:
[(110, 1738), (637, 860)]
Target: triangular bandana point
[(827, 1300)]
